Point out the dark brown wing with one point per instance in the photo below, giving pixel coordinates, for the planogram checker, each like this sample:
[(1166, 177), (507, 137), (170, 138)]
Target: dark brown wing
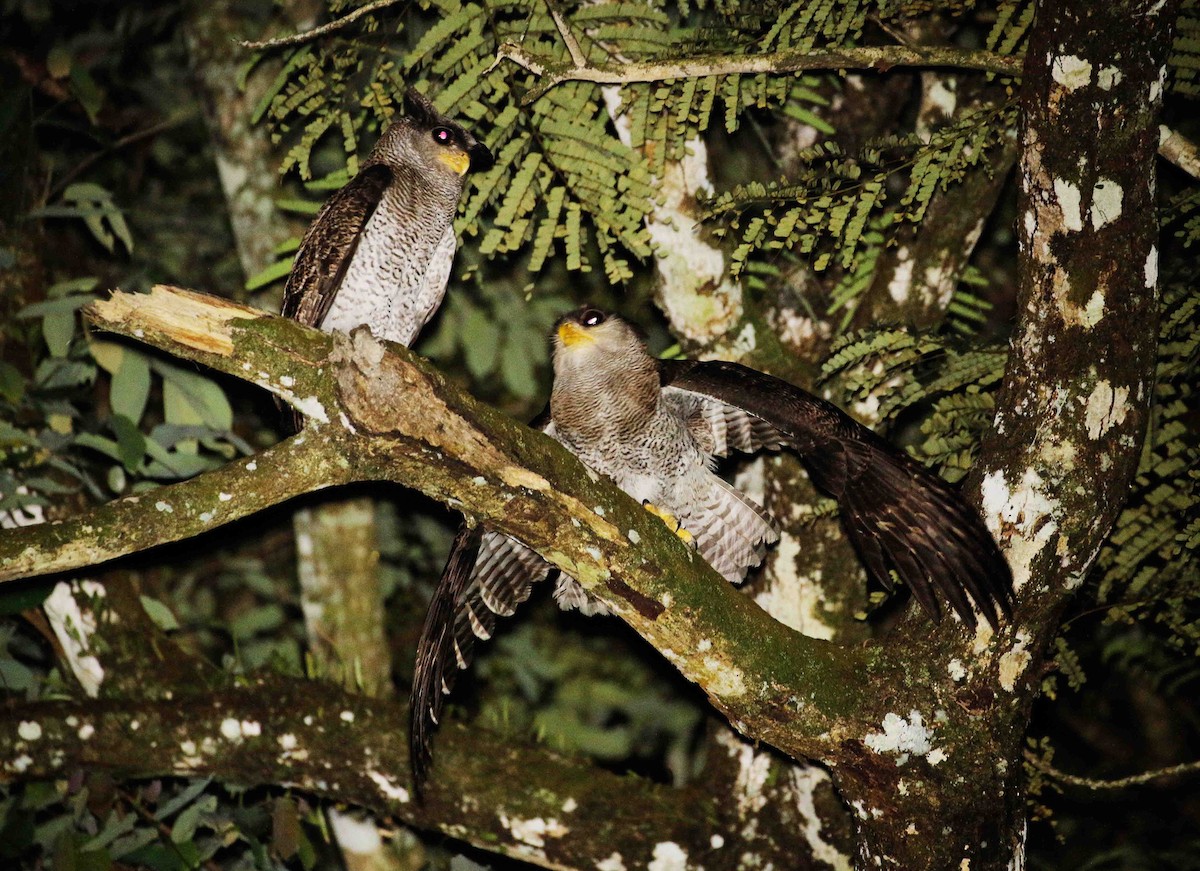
[(488, 575), (898, 514), (329, 246), (326, 251)]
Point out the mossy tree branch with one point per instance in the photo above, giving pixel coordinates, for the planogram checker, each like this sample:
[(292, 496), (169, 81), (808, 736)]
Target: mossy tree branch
[(315, 737), (381, 413)]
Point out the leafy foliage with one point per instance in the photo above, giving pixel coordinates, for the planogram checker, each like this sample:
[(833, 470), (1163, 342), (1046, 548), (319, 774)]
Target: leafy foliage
[(562, 181), (1184, 62), (892, 372), (573, 694), (1149, 569), (826, 209), (163, 825)]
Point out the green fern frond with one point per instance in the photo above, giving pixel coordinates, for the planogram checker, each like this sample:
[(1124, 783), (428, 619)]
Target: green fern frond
[(826, 208), (1184, 60)]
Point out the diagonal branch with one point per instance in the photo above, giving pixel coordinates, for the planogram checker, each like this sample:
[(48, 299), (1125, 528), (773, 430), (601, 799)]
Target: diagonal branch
[(384, 414)]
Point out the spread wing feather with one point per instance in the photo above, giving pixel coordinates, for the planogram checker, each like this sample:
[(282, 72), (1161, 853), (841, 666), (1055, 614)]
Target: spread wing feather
[(487, 575), (731, 532), (898, 514)]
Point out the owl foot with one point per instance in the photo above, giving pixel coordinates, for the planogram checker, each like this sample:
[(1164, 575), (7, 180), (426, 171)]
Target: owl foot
[(672, 523)]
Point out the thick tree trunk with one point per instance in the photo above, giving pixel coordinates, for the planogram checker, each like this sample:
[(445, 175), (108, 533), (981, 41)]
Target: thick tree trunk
[(1071, 420)]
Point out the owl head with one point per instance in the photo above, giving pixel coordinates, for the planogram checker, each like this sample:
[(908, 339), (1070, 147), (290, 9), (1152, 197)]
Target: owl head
[(424, 138)]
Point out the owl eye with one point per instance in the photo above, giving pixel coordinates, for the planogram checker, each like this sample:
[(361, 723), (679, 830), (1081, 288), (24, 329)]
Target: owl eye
[(592, 317), (443, 135)]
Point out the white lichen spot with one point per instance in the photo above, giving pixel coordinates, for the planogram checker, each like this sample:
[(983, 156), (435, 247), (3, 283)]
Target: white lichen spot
[(612, 863), (1106, 408), (206, 516), (389, 787), (942, 97), (310, 407), (753, 769), (744, 344), (796, 599), (1069, 201), (805, 781), (533, 832), (188, 748), (224, 497), (87, 730), (704, 646), (570, 805), (936, 756), (1108, 78), (599, 509), (634, 538), (308, 719), (1071, 72), (251, 728), (348, 716), (73, 627), (1107, 197), (1014, 661), (901, 737), (716, 842), (1024, 515), (902, 276), (287, 380), (668, 600), (1151, 268), (668, 856), (479, 480), (722, 679), (164, 507), (794, 329), (21, 763), (29, 730), (956, 669), (231, 729), (251, 466), (1091, 314), (911, 830), (356, 836)]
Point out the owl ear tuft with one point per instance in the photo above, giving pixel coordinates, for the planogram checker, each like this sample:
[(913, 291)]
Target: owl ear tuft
[(419, 107)]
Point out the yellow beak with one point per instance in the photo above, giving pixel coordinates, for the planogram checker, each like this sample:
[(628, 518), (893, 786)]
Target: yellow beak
[(456, 160), (571, 334)]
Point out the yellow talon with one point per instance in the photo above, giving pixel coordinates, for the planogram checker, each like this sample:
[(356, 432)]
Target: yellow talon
[(672, 522)]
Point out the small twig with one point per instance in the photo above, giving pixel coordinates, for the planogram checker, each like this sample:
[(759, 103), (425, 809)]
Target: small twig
[(123, 142), (163, 829), (880, 58), (306, 35), (1046, 768), (577, 56), (1180, 150)]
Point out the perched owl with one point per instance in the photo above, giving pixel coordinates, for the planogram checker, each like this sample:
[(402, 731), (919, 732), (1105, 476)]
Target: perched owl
[(379, 251), (654, 427)]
